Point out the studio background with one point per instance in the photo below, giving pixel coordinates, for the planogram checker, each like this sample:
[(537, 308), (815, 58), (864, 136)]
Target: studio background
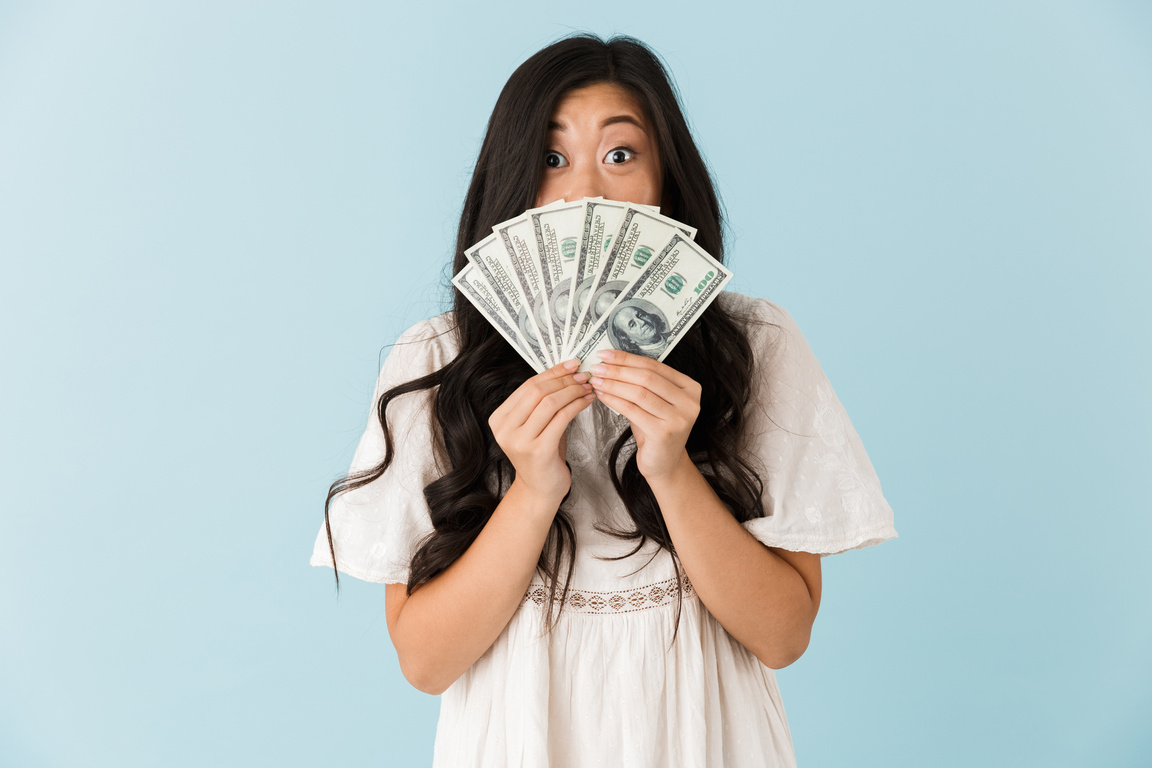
[(214, 216)]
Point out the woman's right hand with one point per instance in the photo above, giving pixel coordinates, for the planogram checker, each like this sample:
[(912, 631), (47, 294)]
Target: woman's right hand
[(529, 427)]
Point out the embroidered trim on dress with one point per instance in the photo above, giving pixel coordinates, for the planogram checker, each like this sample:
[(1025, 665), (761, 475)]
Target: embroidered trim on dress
[(627, 601)]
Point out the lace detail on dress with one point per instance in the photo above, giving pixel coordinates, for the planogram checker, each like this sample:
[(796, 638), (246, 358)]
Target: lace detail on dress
[(857, 488), (626, 601)]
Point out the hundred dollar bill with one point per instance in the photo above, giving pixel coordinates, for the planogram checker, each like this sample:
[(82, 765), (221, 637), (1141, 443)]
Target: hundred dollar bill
[(641, 233), (645, 206), (476, 289), (491, 258), (652, 314), (520, 243), (601, 221), (557, 231)]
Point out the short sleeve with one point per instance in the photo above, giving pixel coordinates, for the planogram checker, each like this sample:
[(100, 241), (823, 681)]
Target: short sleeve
[(821, 494), (377, 528)]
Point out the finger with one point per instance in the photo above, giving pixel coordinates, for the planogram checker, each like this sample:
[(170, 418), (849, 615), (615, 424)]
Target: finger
[(641, 396), (521, 403), (649, 379), (622, 358), (637, 416), (560, 369), (550, 405), (563, 417)]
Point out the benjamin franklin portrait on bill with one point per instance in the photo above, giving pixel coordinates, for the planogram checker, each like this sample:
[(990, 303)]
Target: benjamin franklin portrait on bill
[(639, 327)]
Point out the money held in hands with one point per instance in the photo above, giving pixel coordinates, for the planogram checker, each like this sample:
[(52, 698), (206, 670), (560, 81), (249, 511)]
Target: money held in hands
[(569, 280)]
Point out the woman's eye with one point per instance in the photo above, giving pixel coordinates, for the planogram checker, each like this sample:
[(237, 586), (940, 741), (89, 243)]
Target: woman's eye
[(619, 155), (554, 159)]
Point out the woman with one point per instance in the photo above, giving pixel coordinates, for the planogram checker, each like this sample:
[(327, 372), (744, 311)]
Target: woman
[(588, 587)]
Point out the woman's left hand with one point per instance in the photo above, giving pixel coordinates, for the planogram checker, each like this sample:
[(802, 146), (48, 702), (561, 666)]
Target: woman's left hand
[(661, 403)]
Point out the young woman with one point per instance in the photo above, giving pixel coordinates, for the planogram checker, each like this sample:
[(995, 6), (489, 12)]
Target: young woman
[(588, 587)]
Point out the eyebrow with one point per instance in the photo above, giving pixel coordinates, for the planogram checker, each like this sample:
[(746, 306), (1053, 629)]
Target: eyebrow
[(555, 126)]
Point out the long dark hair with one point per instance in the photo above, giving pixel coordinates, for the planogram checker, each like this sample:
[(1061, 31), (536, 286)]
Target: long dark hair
[(466, 391)]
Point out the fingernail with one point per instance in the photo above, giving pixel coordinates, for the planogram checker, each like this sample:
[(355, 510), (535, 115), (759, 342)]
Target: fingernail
[(597, 382), (589, 397), (586, 386), (607, 354), (600, 369), (571, 365), (580, 377)]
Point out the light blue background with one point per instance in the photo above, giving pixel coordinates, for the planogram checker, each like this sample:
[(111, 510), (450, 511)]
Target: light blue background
[(214, 215)]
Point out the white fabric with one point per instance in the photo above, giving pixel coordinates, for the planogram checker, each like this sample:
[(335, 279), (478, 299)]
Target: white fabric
[(608, 686)]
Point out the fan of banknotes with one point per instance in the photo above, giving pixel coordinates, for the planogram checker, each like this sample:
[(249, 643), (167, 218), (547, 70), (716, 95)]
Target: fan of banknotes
[(572, 278)]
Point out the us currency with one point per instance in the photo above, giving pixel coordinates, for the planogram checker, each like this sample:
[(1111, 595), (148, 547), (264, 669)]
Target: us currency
[(470, 281), (491, 258), (557, 232), (519, 243), (645, 206), (653, 313), (641, 233), (601, 221)]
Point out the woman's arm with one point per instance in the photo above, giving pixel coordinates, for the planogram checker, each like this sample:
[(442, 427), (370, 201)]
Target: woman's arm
[(447, 623), (765, 598)]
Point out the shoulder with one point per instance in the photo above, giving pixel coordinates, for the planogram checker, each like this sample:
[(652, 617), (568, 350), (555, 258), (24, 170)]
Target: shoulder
[(769, 326), (428, 345), (423, 348), (753, 308), (439, 331)]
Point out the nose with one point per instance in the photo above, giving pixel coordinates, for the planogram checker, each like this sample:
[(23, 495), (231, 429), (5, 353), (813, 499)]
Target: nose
[(584, 181)]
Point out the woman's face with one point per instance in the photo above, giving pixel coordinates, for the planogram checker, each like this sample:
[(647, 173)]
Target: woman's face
[(600, 144)]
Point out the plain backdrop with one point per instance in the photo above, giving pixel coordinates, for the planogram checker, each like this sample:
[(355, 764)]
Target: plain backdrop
[(214, 216)]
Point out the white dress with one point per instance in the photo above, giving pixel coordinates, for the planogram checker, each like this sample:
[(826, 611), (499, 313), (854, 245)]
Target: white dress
[(608, 687)]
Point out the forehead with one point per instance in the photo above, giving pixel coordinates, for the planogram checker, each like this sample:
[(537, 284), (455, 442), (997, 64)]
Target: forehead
[(596, 103)]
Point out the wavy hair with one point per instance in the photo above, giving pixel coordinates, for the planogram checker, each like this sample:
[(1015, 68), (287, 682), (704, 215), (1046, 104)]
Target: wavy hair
[(465, 391)]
